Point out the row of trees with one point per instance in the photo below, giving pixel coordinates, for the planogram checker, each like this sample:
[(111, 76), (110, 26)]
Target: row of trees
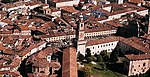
[(98, 58), (102, 57)]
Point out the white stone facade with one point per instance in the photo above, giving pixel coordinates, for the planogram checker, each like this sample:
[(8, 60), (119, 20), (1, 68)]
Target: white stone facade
[(138, 67), (96, 49)]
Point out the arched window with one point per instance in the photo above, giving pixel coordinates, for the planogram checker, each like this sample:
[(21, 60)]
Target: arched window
[(134, 69), (81, 25), (143, 64), (42, 72), (143, 70)]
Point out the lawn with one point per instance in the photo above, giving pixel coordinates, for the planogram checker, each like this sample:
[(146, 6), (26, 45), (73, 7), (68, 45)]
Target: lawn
[(102, 73)]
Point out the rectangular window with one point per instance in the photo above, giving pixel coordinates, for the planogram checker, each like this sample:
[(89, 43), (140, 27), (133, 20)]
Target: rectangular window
[(81, 25), (143, 64)]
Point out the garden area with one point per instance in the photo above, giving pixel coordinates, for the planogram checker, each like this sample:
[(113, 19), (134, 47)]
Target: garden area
[(95, 70), (97, 65)]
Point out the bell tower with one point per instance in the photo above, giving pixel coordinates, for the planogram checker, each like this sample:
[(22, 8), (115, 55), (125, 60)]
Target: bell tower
[(81, 36), (81, 28)]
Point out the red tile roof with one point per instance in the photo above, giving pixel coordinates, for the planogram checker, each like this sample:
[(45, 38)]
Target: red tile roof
[(101, 41), (138, 57), (55, 65), (69, 9), (14, 74), (45, 52), (57, 1), (27, 50), (41, 63)]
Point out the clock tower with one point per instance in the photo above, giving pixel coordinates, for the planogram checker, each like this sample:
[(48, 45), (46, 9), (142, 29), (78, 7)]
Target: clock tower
[(80, 36)]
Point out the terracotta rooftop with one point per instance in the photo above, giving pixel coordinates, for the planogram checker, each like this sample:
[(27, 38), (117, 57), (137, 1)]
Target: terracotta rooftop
[(136, 45), (147, 36), (16, 61), (27, 50), (105, 40), (21, 3), (69, 9), (116, 22), (53, 9), (41, 63), (45, 52), (133, 42), (136, 1), (57, 1), (14, 74), (138, 57), (55, 65), (2, 47), (57, 34), (9, 51), (122, 8), (97, 27)]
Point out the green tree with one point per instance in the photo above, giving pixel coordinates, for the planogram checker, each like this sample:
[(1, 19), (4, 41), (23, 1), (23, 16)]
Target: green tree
[(102, 65), (99, 58), (80, 57), (106, 58), (94, 58), (88, 52), (89, 59), (113, 58), (114, 55), (103, 53)]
